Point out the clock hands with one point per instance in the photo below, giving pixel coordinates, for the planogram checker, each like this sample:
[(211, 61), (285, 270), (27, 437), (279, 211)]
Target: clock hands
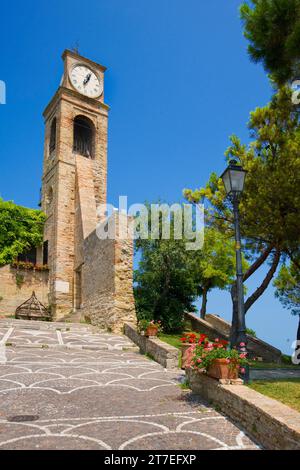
[(87, 78)]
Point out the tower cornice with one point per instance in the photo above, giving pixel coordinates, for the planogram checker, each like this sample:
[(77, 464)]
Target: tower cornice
[(79, 57), (66, 93)]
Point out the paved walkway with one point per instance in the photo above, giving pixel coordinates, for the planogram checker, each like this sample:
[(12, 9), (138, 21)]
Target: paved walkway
[(273, 374), (94, 391)]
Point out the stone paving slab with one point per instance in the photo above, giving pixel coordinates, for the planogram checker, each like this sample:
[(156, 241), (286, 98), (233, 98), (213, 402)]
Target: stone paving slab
[(103, 399), (273, 374), (38, 334)]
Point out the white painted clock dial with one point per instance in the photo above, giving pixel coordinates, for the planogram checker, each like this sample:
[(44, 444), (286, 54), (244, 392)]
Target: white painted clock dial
[(86, 81)]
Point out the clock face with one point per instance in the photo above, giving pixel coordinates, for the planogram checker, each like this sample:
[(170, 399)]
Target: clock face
[(86, 81)]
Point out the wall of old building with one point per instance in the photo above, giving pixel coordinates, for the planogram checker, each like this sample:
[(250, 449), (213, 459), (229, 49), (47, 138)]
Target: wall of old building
[(107, 290), (77, 184), (16, 286)]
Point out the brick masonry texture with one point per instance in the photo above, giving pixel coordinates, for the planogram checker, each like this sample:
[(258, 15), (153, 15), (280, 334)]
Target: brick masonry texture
[(273, 425), (13, 295), (107, 271), (88, 276), (161, 352), (78, 184), (215, 326)]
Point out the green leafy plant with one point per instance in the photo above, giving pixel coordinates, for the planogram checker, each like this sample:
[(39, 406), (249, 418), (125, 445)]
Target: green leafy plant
[(215, 266), (272, 29), (251, 332), (21, 229), (286, 359), (20, 279), (205, 352), (149, 356), (270, 219), (185, 385), (143, 324), (287, 287), (165, 282), (28, 265)]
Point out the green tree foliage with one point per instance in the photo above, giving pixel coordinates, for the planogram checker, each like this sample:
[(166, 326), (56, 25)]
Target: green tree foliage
[(215, 264), (273, 30), (287, 291), (287, 286), (170, 277), (21, 229), (270, 204), (165, 283)]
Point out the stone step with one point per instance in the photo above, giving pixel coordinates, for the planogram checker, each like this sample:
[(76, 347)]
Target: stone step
[(45, 325), (105, 347), (58, 335)]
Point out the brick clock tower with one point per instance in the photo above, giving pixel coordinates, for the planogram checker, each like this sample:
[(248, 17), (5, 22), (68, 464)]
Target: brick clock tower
[(74, 176)]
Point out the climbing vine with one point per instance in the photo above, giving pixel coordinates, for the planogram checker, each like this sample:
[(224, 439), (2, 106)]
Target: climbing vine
[(21, 229)]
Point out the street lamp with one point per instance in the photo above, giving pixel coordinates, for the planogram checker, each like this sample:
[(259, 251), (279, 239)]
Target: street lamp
[(234, 179)]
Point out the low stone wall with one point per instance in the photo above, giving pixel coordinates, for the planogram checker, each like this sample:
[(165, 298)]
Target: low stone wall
[(16, 286), (218, 323), (215, 326), (161, 352), (273, 425)]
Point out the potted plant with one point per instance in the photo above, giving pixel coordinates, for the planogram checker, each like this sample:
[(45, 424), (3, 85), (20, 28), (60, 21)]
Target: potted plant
[(153, 328), (149, 328), (187, 341), (217, 360)]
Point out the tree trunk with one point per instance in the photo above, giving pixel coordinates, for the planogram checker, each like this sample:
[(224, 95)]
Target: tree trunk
[(296, 353), (204, 303), (257, 263), (253, 268)]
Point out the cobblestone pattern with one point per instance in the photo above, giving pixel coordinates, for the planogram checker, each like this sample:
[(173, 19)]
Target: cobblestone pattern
[(32, 334), (102, 399), (274, 425)]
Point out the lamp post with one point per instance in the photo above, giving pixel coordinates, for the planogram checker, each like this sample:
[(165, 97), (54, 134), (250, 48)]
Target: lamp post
[(233, 179)]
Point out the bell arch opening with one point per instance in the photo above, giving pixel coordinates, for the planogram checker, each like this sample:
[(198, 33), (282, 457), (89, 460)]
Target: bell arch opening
[(84, 135)]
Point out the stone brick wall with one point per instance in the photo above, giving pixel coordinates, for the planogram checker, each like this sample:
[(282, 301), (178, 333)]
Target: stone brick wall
[(273, 425), (218, 323), (215, 326), (161, 352), (13, 295), (78, 185), (107, 290)]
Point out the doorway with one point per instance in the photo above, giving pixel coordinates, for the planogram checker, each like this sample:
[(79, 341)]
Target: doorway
[(78, 288)]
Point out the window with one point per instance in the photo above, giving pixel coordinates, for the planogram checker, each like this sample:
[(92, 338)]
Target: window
[(52, 141), (78, 287), (83, 142), (29, 256), (45, 252)]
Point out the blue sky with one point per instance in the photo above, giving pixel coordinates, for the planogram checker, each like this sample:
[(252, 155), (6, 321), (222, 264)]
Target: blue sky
[(179, 82)]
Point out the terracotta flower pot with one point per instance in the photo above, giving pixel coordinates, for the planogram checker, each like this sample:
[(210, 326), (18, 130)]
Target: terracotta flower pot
[(151, 331), (220, 369), (185, 356)]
